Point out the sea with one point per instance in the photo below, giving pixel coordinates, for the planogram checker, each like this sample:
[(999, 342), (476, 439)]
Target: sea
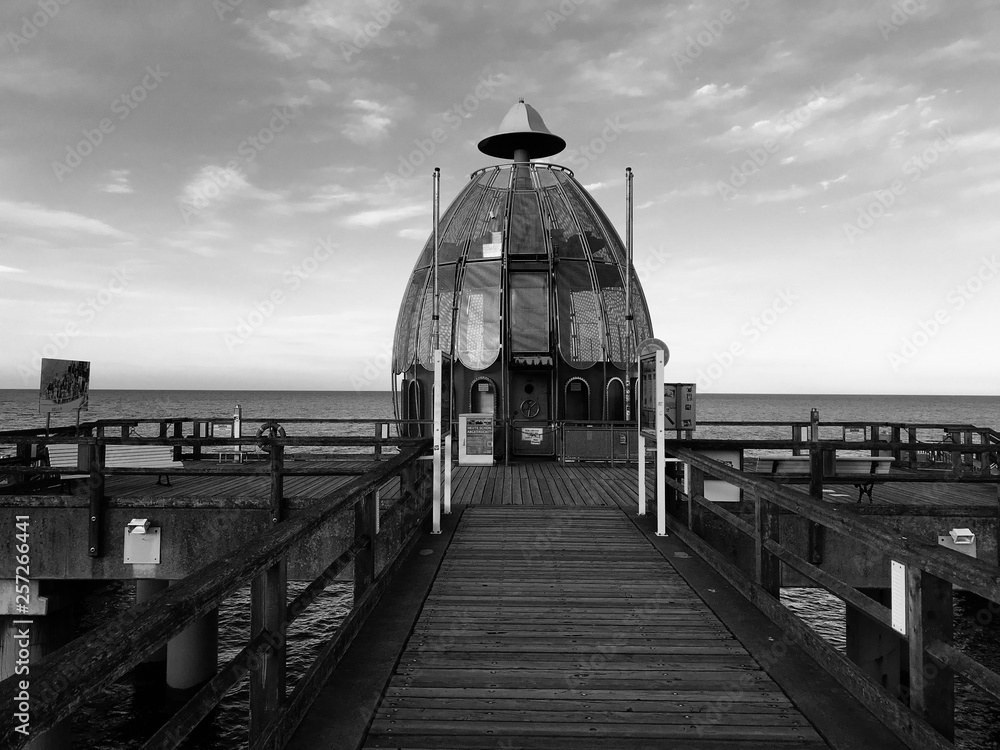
[(120, 719)]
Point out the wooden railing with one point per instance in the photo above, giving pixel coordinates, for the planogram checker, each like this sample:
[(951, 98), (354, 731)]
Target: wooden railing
[(66, 679), (923, 716)]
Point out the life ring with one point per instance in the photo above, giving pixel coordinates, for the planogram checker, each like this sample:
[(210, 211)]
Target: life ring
[(270, 430)]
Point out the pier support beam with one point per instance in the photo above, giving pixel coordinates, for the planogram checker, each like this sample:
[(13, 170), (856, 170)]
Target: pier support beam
[(193, 654), (877, 649), (43, 630)]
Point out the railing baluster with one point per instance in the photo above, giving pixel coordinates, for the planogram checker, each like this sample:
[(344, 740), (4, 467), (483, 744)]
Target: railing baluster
[(767, 567), (696, 488), (268, 597), (364, 527), (277, 482), (95, 486)]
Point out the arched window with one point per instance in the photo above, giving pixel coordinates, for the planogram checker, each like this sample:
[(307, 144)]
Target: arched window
[(616, 400), (576, 402), (483, 397)]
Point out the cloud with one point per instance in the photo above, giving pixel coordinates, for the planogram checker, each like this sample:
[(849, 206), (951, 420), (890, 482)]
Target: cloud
[(368, 121), (213, 186), (34, 216), (378, 216), (117, 182)]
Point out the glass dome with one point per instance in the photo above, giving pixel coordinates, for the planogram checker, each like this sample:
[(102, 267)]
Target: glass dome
[(524, 244)]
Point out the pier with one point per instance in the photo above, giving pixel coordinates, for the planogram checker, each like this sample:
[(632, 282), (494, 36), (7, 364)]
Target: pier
[(548, 613)]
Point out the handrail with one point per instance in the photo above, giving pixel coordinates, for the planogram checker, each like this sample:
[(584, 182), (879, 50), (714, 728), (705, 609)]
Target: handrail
[(932, 572), (95, 660)]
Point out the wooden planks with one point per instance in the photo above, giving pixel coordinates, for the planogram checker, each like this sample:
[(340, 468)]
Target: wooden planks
[(563, 627), (546, 483)]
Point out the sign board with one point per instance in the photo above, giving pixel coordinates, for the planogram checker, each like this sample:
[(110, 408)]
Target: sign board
[(686, 415), (679, 412), (717, 490), (897, 577), (650, 388), (475, 439), (65, 386)]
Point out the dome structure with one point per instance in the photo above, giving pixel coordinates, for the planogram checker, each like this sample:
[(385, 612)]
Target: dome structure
[(532, 305)]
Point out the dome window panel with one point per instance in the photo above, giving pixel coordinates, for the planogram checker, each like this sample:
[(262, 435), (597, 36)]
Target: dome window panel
[(613, 296), (405, 347), (581, 334), (529, 313), (487, 232), (567, 242), (454, 239), (425, 332), (479, 316), (593, 231), (526, 236)]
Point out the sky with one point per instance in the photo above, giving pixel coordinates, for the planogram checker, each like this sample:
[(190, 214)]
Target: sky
[(231, 194)]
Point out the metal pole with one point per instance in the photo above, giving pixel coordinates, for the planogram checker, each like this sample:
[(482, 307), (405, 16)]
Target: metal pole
[(437, 298), (628, 248), (628, 289)]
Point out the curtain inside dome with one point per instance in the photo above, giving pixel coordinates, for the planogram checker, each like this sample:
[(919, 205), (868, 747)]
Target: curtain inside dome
[(404, 348), (581, 337), (479, 315)]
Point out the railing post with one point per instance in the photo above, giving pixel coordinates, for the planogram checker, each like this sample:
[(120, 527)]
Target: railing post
[(818, 460), (897, 453), (178, 433), (767, 567), (378, 441), (364, 528), (696, 488), (268, 601), (796, 439), (956, 453), (96, 492), (911, 433), (929, 619), (816, 463), (277, 482), (196, 432)]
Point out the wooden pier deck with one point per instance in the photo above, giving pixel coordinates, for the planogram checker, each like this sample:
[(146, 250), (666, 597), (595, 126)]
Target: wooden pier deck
[(563, 627)]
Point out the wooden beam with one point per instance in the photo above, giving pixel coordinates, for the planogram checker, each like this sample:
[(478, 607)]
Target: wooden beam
[(767, 568), (929, 619)]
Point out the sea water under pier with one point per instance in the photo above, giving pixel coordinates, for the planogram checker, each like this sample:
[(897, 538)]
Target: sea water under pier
[(548, 612)]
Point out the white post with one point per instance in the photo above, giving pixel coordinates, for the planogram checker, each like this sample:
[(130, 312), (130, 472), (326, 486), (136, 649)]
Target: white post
[(642, 475), (447, 472), (436, 510), (237, 425), (661, 455)]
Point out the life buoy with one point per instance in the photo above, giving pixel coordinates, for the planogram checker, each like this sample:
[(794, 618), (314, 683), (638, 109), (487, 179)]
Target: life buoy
[(270, 430)]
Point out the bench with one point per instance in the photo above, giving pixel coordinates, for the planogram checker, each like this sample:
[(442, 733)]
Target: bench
[(849, 467), (116, 456)]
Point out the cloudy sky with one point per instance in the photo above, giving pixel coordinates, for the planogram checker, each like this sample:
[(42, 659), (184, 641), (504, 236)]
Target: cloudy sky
[(231, 194)]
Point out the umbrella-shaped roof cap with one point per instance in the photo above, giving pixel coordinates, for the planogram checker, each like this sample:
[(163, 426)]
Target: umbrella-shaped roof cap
[(522, 128)]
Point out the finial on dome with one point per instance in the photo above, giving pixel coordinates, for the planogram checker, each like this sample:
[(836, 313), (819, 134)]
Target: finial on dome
[(522, 129)]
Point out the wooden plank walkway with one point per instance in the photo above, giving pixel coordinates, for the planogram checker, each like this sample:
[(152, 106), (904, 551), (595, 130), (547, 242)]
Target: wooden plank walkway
[(564, 627)]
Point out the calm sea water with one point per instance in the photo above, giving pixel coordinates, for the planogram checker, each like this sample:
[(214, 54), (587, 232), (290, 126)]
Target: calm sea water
[(118, 720)]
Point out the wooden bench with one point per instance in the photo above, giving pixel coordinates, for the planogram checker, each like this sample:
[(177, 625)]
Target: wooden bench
[(849, 467), (116, 456)]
